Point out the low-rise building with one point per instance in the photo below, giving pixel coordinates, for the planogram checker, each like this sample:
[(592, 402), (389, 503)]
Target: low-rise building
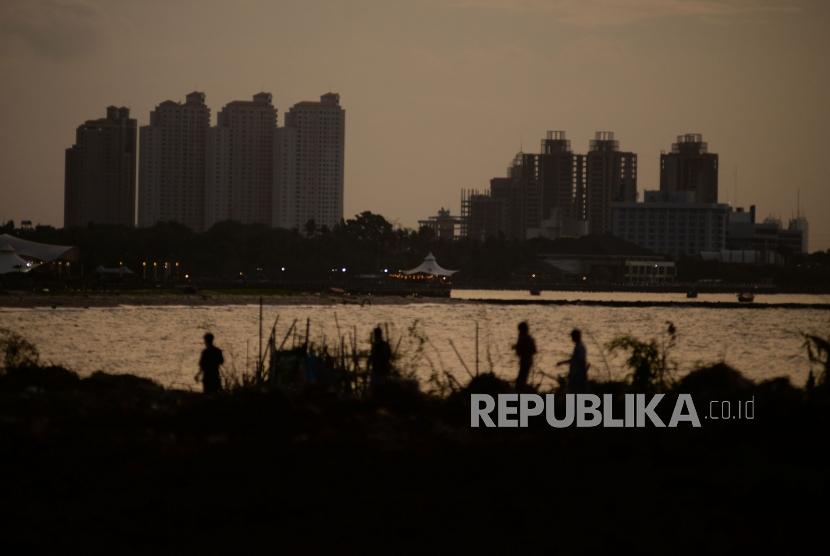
[(649, 272), (604, 259), (671, 224), (768, 241)]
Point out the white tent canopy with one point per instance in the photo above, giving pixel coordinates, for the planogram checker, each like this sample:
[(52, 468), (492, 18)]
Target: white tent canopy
[(430, 266), (10, 261), (33, 250)]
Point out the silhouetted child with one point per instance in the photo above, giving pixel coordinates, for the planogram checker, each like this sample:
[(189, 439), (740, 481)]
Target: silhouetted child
[(380, 359), (525, 348), (209, 364), (578, 364)]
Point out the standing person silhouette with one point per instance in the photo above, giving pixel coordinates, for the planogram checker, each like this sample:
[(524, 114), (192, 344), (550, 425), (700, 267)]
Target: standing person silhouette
[(209, 364), (380, 358), (577, 364), (525, 348)]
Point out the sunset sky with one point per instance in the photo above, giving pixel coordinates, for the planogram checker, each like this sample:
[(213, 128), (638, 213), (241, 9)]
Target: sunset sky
[(440, 95)]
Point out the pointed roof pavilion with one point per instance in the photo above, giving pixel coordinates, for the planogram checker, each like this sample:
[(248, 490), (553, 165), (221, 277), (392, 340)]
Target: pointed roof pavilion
[(430, 266)]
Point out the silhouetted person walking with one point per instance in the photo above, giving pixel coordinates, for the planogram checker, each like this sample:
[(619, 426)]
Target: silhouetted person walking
[(209, 364), (577, 364), (380, 359), (525, 348)]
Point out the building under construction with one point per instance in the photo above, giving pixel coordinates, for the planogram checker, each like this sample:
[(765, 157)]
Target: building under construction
[(553, 193), (610, 177), (442, 226), (690, 169)]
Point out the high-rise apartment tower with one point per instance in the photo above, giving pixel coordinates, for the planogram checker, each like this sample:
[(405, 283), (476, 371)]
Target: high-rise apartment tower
[(308, 165), (99, 178), (691, 168), (171, 176), (240, 162), (610, 176)]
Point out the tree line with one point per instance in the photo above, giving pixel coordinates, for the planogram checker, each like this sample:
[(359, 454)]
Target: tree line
[(368, 244)]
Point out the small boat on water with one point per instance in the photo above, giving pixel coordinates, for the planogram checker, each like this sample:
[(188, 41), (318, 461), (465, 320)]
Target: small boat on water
[(746, 297), (691, 294)]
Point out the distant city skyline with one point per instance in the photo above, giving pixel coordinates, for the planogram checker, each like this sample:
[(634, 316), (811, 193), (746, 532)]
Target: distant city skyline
[(247, 168), (438, 92)]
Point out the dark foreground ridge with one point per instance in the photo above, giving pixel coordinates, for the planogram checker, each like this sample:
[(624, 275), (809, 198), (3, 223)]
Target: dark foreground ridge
[(119, 465)]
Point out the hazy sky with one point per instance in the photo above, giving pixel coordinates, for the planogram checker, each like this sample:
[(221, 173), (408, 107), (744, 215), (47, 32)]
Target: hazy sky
[(439, 95)]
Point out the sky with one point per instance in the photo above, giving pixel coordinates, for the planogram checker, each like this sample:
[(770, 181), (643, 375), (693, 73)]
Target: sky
[(440, 95)]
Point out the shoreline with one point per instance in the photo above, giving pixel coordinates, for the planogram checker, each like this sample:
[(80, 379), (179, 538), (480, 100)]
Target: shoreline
[(27, 300), (675, 304), (207, 299)]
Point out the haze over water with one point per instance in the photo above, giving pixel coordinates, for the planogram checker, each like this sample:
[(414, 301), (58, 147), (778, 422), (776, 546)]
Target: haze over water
[(163, 342)]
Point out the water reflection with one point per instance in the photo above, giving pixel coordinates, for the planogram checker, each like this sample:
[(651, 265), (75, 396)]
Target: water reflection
[(164, 343)]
